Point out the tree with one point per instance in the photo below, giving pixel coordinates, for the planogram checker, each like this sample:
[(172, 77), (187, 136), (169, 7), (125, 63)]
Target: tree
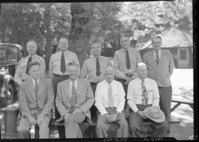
[(81, 28)]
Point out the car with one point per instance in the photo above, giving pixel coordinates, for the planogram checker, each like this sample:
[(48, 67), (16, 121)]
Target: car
[(10, 54)]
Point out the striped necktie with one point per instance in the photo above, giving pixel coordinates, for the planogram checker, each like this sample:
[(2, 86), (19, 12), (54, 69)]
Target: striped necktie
[(144, 94), (73, 96), (110, 97), (157, 58), (36, 88)]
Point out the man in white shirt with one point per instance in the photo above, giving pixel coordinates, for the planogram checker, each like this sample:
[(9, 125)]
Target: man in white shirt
[(142, 93), (109, 97)]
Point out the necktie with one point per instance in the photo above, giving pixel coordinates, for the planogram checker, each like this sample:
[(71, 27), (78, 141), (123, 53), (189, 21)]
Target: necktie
[(63, 65), (29, 60), (128, 66), (144, 94), (98, 72), (36, 88), (73, 96), (110, 97), (157, 58)]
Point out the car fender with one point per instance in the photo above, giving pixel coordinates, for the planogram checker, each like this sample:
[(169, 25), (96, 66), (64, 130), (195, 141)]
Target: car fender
[(10, 79)]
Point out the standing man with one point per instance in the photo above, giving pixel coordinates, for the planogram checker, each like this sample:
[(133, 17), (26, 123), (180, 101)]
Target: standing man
[(58, 71), (143, 93), (74, 100), (110, 103), (93, 69), (125, 62), (160, 67), (21, 73), (35, 102)]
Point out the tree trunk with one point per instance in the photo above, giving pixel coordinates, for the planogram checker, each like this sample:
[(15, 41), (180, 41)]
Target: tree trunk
[(81, 29), (48, 35)]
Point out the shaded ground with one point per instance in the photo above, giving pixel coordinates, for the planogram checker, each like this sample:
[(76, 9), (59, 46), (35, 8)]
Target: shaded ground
[(182, 82)]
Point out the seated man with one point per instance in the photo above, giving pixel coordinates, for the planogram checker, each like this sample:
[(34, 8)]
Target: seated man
[(143, 93), (35, 102), (74, 100), (110, 103)]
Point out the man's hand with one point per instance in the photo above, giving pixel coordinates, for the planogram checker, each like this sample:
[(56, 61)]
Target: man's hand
[(77, 111), (113, 117), (141, 114), (108, 117), (66, 116), (32, 120), (40, 119)]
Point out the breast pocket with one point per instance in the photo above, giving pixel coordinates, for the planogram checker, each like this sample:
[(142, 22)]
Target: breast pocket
[(150, 94)]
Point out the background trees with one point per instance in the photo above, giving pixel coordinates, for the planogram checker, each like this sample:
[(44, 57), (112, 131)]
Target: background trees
[(82, 23)]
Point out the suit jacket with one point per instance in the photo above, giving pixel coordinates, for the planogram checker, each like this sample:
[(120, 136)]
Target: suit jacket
[(162, 72), (22, 65), (45, 97), (85, 98)]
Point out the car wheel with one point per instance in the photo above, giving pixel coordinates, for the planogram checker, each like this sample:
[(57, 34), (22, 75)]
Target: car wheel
[(10, 94)]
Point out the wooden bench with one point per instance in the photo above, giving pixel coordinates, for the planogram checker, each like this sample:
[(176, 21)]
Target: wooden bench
[(179, 101), (10, 117)]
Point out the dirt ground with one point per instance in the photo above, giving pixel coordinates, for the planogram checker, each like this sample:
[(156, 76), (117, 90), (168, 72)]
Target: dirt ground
[(182, 82)]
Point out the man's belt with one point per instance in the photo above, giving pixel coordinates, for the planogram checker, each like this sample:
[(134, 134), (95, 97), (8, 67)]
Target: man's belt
[(64, 75)]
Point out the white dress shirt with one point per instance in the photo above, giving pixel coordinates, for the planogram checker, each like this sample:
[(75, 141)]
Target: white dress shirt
[(101, 96), (159, 53), (134, 95), (34, 82), (71, 85)]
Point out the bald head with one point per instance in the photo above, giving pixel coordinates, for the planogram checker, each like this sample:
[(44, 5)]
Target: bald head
[(109, 74), (142, 70)]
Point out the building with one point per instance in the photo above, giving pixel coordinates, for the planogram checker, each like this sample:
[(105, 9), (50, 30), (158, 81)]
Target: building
[(179, 43)]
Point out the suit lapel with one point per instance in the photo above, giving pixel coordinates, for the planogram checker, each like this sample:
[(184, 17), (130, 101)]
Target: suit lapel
[(31, 88), (41, 87), (67, 89), (153, 58)]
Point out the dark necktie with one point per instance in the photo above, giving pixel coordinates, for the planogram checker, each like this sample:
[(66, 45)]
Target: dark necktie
[(98, 72), (63, 65), (73, 96), (144, 94), (128, 66), (36, 88), (29, 60), (157, 58), (110, 97)]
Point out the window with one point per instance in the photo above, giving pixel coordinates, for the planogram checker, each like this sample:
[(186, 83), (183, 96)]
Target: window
[(183, 54)]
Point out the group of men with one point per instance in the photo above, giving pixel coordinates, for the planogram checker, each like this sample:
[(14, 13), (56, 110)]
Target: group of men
[(100, 89)]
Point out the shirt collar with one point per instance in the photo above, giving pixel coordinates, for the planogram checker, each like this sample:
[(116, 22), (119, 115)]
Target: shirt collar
[(159, 52), (34, 81), (141, 79), (32, 56), (110, 83), (75, 83)]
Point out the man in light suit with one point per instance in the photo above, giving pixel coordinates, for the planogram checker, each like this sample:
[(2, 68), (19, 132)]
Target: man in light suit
[(160, 66), (35, 102), (74, 100), (110, 103)]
